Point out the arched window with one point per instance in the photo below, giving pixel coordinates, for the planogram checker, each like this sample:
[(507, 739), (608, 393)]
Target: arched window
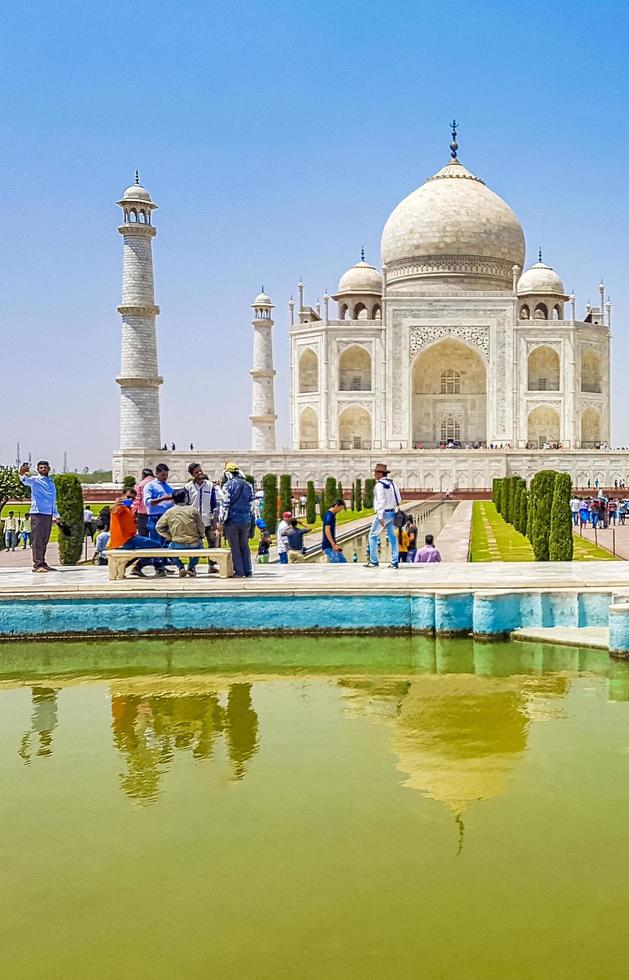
[(377, 312), (308, 371), (343, 311), (360, 312), (355, 428), (450, 429), (450, 382), (143, 217), (308, 429), (544, 370), (133, 215), (525, 313), (355, 369), (591, 374), (557, 312), (541, 312)]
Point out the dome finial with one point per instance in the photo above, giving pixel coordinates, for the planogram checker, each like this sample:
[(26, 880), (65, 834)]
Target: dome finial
[(137, 176), (539, 254), (453, 145), (362, 253)]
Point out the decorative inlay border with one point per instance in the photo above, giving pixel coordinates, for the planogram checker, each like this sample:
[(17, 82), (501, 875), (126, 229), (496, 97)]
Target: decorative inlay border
[(458, 265), (420, 337)]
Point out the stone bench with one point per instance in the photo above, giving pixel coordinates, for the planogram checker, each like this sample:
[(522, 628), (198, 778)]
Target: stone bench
[(119, 558)]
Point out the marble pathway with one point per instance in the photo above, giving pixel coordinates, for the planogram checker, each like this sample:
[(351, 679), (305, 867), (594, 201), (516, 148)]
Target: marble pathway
[(317, 578)]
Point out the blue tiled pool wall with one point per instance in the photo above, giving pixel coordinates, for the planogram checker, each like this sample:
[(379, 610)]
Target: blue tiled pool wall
[(446, 613)]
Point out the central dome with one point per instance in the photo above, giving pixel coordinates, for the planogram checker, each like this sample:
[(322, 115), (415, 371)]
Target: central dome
[(453, 225)]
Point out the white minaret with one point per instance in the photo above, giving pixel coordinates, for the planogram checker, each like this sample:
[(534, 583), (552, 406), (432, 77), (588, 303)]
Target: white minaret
[(263, 417), (139, 381)]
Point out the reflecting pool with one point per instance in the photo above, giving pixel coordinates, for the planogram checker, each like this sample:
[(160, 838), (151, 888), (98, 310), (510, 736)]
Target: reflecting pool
[(313, 807)]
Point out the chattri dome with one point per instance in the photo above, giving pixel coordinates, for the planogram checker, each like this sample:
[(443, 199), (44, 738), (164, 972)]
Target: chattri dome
[(361, 278), (452, 225), (137, 193), (540, 278), (262, 300)]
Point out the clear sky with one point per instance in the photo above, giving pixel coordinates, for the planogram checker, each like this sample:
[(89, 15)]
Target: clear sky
[(276, 138)]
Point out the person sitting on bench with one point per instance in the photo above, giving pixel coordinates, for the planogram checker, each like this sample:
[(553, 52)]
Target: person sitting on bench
[(123, 535), (183, 527)]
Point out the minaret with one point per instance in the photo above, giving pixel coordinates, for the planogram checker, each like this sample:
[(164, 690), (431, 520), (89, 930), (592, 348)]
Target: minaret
[(139, 381), (263, 417)]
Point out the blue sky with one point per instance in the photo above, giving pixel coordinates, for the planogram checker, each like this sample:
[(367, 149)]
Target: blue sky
[(276, 138)]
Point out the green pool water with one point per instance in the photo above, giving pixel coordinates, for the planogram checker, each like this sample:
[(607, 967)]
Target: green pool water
[(313, 807)]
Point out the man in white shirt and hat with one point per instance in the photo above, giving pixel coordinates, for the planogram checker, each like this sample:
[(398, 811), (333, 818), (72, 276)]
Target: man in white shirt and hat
[(386, 500)]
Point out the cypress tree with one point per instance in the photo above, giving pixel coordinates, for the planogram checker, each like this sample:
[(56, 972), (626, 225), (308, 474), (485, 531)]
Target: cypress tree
[(353, 496), (322, 507), (70, 506), (269, 489), (368, 498), (249, 478), (311, 503), (286, 493), (561, 541), (524, 505), (129, 482), (506, 494), (359, 494), (494, 489), (517, 493), (330, 492), (544, 490), (498, 495), (339, 490)]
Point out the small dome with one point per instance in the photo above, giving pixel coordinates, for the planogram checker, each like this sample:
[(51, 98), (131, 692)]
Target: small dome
[(262, 300), (452, 218), (361, 278), (540, 278), (137, 193)]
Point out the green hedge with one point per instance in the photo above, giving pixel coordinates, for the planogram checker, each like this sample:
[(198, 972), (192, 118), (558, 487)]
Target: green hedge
[(358, 503), (269, 489), (561, 541), (330, 492), (311, 503), (70, 506), (368, 498), (523, 514), (542, 490), (286, 493)]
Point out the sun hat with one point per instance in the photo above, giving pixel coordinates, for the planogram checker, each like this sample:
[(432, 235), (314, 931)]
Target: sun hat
[(382, 468), (231, 467)]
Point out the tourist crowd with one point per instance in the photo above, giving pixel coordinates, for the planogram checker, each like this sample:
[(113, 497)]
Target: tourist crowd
[(599, 511), (202, 513)]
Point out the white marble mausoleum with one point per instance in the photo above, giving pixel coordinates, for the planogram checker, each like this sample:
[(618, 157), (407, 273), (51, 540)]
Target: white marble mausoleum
[(453, 360)]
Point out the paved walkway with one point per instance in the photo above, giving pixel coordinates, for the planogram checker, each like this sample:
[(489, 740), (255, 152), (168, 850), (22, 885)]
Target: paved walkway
[(612, 537), (22, 558), (454, 540), (322, 578), (571, 636)]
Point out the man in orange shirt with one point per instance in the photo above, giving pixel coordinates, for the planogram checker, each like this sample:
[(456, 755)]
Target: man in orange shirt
[(123, 535)]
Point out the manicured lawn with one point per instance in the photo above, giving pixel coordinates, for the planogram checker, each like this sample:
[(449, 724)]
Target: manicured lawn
[(495, 540)]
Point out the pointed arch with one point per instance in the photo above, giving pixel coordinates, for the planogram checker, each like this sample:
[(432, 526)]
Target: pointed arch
[(308, 371)]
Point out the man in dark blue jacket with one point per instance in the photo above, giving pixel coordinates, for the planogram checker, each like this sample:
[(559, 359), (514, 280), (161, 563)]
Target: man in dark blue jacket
[(236, 511)]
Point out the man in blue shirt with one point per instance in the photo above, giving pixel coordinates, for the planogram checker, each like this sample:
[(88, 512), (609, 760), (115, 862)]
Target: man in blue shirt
[(43, 511), (331, 549), (158, 498)]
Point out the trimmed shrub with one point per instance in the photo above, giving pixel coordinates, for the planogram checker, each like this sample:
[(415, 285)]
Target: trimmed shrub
[(353, 497), (520, 487), (524, 508), (311, 503), (497, 494), (129, 482), (368, 498), (286, 493), (269, 489), (494, 491), (339, 490), (322, 507), (70, 507), (359, 494), (543, 484), (561, 542), (249, 478), (330, 492), (506, 511)]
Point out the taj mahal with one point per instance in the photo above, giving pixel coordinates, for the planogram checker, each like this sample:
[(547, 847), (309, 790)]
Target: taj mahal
[(452, 361)]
